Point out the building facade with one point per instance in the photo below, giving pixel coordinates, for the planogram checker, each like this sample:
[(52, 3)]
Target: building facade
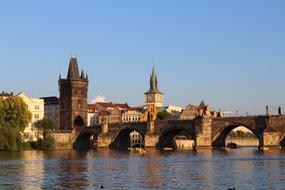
[(153, 96), (150, 112), (36, 107), (136, 140), (105, 111), (92, 115), (203, 109), (174, 111), (73, 98), (132, 115), (51, 108)]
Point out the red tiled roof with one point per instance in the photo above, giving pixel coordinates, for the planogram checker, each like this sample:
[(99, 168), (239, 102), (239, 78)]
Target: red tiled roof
[(198, 107), (103, 113), (124, 106), (92, 108), (113, 105), (135, 109)]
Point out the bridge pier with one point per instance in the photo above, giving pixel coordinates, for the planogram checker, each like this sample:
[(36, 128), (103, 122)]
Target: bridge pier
[(64, 140), (271, 139), (104, 140), (151, 138), (204, 133), (271, 134)]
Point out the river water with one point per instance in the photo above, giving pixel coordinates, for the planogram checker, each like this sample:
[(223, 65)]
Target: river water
[(203, 169)]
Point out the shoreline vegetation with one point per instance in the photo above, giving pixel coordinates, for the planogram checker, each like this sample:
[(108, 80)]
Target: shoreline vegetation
[(239, 134), (14, 117)]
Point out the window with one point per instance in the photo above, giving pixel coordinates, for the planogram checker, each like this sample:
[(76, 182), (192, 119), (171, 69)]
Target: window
[(37, 116), (37, 107)]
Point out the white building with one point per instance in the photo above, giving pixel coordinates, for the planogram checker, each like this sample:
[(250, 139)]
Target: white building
[(173, 109), (132, 115), (92, 115), (136, 139)]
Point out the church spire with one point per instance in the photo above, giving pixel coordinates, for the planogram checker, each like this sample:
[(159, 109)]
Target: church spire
[(73, 72), (153, 82)]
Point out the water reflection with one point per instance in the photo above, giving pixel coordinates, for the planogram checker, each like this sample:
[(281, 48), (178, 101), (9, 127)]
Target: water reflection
[(202, 169), (152, 171)]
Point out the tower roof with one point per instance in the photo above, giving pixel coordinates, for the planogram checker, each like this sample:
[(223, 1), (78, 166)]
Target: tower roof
[(73, 72), (203, 104), (153, 83)]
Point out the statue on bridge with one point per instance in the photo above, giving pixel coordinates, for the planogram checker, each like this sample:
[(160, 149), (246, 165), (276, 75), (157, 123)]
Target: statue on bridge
[(267, 110), (279, 111)]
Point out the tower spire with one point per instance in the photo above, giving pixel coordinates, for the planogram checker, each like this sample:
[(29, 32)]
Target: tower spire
[(82, 74), (153, 96), (153, 81), (73, 72)]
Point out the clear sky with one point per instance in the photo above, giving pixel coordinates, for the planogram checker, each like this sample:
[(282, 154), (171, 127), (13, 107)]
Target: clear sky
[(229, 53)]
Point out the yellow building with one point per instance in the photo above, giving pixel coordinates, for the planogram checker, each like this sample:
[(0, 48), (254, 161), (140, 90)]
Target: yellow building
[(132, 115), (36, 107), (150, 111)]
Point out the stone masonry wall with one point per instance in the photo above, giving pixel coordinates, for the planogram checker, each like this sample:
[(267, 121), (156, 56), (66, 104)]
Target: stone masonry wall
[(63, 141)]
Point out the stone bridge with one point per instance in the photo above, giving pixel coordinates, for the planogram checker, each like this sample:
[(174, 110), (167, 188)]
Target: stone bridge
[(206, 132)]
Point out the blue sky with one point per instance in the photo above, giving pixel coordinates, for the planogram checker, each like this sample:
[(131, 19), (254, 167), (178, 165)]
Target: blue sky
[(229, 53)]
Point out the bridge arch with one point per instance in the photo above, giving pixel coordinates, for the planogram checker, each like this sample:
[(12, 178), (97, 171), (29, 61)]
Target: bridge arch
[(166, 138), (83, 141), (79, 121), (121, 139), (219, 138)]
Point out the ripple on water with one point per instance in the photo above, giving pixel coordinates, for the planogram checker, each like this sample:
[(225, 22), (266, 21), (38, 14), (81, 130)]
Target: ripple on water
[(205, 169)]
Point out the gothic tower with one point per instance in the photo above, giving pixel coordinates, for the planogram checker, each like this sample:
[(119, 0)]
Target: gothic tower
[(73, 98), (153, 96)]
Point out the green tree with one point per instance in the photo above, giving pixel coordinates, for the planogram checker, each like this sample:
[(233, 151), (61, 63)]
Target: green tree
[(14, 113), (163, 115), (47, 126), (10, 139), (14, 118)]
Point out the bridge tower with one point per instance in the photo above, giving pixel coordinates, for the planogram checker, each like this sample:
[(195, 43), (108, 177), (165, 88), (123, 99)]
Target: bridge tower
[(73, 97)]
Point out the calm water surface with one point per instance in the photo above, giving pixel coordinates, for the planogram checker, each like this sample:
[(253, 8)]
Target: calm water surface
[(204, 169)]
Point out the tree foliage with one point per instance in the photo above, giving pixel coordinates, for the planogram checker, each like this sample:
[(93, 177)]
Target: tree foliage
[(10, 139), (242, 135), (14, 113), (47, 126), (14, 118), (163, 115)]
